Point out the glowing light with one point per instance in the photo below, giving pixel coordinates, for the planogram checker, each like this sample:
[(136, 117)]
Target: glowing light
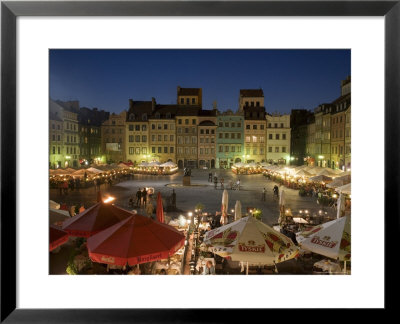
[(190, 214), (109, 199)]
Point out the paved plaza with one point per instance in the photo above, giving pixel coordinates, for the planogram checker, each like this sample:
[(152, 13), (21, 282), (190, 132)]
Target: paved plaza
[(200, 191)]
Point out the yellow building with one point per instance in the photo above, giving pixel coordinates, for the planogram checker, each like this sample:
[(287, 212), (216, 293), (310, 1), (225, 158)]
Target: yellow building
[(254, 135), (162, 134), (137, 130), (278, 138), (186, 137)]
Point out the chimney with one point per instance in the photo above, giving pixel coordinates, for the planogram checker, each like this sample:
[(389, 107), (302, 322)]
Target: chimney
[(153, 103), (130, 103), (215, 105)]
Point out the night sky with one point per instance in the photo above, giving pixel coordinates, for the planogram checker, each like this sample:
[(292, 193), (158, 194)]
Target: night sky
[(107, 79)]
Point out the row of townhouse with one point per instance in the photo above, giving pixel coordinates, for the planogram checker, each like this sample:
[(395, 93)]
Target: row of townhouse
[(183, 133), (328, 133)]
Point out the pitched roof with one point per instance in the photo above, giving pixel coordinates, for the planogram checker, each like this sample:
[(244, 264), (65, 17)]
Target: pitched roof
[(137, 109), (162, 111), (189, 91), (207, 123), (251, 93), (188, 111)]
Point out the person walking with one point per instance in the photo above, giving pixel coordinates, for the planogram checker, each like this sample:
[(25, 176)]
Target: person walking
[(149, 209), (238, 184), (215, 182), (222, 183), (144, 197), (264, 192), (276, 192), (210, 177), (138, 197)]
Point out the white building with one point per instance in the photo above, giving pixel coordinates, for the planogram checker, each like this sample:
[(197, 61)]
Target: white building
[(278, 138)]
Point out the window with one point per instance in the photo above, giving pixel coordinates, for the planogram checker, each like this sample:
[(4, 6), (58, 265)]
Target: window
[(220, 148), (232, 124), (171, 138), (53, 126), (254, 139), (201, 140), (131, 150), (277, 136), (144, 150), (130, 128), (277, 149), (257, 104), (171, 149), (153, 149), (283, 149), (207, 131), (238, 135), (171, 126), (165, 138), (201, 151), (182, 101), (159, 126), (186, 130), (193, 121), (261, 139), (212, 131), (165, 149), (193, 101), (187, 101), (180, 121), (187, 140), (180, 150), (54, 150), (254, 126), (283, 136), (276, 125), (144, 127), (281, 125), (144, 138), (226, 135), (212, 139), (54, 138), (247, 139), (194, 150), (206, 139), (232, 149), (239, 149), (232, 135), (262, 127), (247, 150), (144, 117), (254, 151), (220, 124), (153, 138), (153, 126), (247, 126), (201, 131), (226, 124), (67, 150), (137, 138), (270, 149), (270, 136), (220, 135), (58, 138), (131, 138), (194, 139), (226, 148), (180, 140), (261, 151), (58, 150), (246, 103), (159, 138), (137, 128), (186, 121), (239, 124)]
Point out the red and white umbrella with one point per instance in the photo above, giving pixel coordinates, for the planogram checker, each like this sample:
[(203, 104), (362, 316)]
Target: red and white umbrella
[(57, 237), (250, 240), (331, 239), (137, 239), (160, 210)]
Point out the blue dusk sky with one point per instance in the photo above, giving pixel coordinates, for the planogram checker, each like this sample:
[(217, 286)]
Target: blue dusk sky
[(107, 79)]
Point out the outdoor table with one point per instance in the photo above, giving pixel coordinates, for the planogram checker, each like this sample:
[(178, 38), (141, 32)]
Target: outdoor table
[(201, 262), (328, 266)]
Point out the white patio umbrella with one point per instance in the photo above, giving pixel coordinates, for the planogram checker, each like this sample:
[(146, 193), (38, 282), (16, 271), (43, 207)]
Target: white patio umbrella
[(321, 178), (224, 207), (238, 210), (340, 181), (331, 239), (239, 165), (154, 163), (302, 173), (346, 189), (250, 240), (143, 164), (340, 206), (326, 172), (168, 164)]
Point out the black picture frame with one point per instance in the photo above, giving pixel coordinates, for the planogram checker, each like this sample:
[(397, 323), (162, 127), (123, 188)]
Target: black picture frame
[(10, 10)]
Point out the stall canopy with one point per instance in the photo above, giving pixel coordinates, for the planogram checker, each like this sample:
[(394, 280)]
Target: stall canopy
[(134, 240), (340, 181), (320, 178), (154, 164), (143, 164), (302, 173), (250, 240), (331, 239), (54, 205), (95, 219), (58, 216), (168, 164), (82, 172), (238, 210), (326, 172), (123, 166), (57, 237), (94, 170)]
